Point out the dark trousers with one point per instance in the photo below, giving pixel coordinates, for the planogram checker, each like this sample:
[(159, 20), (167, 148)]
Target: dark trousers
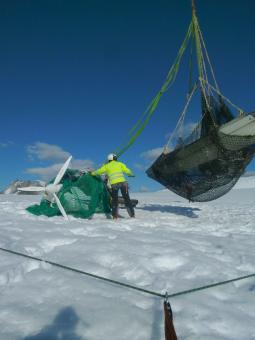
[(123, 187)]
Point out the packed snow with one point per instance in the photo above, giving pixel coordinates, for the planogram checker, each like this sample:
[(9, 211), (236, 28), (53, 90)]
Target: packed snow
[(172, 245)]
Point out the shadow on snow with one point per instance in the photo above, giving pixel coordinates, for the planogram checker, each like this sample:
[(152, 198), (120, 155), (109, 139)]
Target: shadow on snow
[(184, 211), (157, 320), (62, 327)]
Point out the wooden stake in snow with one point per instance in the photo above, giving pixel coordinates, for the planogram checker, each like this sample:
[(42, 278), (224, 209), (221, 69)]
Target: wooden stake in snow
[(170, 333)]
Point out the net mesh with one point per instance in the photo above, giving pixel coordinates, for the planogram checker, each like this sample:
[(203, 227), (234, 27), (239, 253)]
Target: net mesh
[(205, 165), (81, 195)]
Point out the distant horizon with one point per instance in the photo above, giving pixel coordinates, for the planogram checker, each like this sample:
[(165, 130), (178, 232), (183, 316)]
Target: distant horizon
[(245, 175)]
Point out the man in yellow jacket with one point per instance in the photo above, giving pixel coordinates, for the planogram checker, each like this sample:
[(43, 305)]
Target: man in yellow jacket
[(115, 172)]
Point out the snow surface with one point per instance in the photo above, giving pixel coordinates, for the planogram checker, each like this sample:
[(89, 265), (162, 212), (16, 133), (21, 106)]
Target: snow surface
[(172, 245)]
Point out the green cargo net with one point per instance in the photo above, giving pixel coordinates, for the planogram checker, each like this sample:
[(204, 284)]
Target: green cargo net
[(81, 195)]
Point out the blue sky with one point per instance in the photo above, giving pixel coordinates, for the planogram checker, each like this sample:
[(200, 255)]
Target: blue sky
[(75, 76)]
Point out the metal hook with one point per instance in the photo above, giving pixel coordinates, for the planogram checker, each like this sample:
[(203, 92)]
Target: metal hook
[(166, 297)]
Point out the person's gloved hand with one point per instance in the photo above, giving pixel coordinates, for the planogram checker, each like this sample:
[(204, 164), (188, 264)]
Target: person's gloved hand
[(89, 171)]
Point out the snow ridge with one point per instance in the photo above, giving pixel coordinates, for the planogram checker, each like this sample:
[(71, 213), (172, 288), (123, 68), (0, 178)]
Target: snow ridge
[(172, 245)]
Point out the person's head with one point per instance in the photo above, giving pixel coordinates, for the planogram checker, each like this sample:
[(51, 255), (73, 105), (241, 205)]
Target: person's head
[(112, 157)]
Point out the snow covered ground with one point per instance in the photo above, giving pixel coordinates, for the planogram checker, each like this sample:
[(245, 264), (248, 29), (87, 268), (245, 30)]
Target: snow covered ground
[(171, 246)]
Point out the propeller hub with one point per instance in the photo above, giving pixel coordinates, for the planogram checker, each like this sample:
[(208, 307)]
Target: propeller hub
[(53, 188)]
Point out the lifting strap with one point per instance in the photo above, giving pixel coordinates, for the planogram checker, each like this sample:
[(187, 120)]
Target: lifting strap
[(138, 128)]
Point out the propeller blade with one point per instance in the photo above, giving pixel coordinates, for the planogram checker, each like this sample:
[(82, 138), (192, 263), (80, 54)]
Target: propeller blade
[(62, 171), (60, 207), (38, 189)]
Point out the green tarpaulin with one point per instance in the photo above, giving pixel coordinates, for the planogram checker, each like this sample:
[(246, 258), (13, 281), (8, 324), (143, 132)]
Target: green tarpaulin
[(81, 195)]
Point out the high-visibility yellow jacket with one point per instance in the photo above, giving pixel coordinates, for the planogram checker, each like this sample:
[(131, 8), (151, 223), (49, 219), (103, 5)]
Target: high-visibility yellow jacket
[(115, 172)]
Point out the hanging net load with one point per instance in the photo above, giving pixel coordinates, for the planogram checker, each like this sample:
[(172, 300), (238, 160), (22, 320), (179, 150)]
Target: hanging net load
[(208, 163), (81, 195)]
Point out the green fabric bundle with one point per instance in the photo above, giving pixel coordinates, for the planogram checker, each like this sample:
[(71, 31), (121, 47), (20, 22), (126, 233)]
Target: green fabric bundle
[(81, 195)]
